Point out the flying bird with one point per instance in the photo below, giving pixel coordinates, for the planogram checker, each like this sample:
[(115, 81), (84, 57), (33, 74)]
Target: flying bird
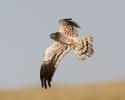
[(64, 40)]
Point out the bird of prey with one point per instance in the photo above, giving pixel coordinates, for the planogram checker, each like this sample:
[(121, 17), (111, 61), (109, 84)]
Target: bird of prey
[(65, 39)]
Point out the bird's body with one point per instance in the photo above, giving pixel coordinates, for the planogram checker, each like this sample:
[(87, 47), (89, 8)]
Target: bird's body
[(65, 40), (61, 37)]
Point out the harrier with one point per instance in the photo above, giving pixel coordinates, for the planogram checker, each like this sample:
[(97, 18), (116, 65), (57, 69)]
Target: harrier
[(65, 40)]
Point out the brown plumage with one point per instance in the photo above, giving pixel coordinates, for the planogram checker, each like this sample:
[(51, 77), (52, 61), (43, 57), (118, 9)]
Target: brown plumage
[(65, 40), (72, 23)]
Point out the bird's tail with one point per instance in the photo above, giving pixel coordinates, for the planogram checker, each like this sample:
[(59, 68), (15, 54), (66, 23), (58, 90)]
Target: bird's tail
[(82, 47)]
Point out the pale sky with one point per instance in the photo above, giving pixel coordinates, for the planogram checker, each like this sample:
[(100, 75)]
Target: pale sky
[(25, 26)]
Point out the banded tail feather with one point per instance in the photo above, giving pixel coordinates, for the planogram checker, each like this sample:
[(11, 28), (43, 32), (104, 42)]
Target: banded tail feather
[(82, 47)]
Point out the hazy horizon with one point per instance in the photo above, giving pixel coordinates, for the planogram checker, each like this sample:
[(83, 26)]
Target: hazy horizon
[(25, 27)]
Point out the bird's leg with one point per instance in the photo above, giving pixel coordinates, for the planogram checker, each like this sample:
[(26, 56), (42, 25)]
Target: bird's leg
[(70, 43)]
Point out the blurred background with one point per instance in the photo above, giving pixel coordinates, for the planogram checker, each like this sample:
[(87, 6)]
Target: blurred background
[(25, 27)]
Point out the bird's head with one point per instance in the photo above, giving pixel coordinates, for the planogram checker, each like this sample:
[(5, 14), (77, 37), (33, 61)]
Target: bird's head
[(54, 35)]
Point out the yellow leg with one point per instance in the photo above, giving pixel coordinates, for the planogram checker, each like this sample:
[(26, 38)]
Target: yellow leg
[(70, 43)]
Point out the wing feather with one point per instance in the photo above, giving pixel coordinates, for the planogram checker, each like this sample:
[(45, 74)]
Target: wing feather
[(68, 27), (52, 57), (68, 21), (57, 51)]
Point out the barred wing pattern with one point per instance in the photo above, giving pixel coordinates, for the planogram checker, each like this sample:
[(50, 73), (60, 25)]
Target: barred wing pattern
[(68, 27), (57, 51), (52, 57)]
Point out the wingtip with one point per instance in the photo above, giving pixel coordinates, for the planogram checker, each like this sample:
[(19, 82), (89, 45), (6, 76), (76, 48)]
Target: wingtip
[(67, 19), (46, 73)]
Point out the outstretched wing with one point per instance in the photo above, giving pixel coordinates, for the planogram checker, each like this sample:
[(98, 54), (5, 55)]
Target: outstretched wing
[(52, 57), (57, 51), (68, 27)]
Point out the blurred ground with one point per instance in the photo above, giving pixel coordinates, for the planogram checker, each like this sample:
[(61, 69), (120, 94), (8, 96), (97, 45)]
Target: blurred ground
[(106, 91)]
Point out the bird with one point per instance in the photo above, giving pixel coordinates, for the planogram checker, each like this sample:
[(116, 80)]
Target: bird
[(65, 40)]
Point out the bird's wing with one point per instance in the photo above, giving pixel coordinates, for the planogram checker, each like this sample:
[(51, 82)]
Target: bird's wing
[(83, 47), (57, 51), (52, 57), (68, 27)]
